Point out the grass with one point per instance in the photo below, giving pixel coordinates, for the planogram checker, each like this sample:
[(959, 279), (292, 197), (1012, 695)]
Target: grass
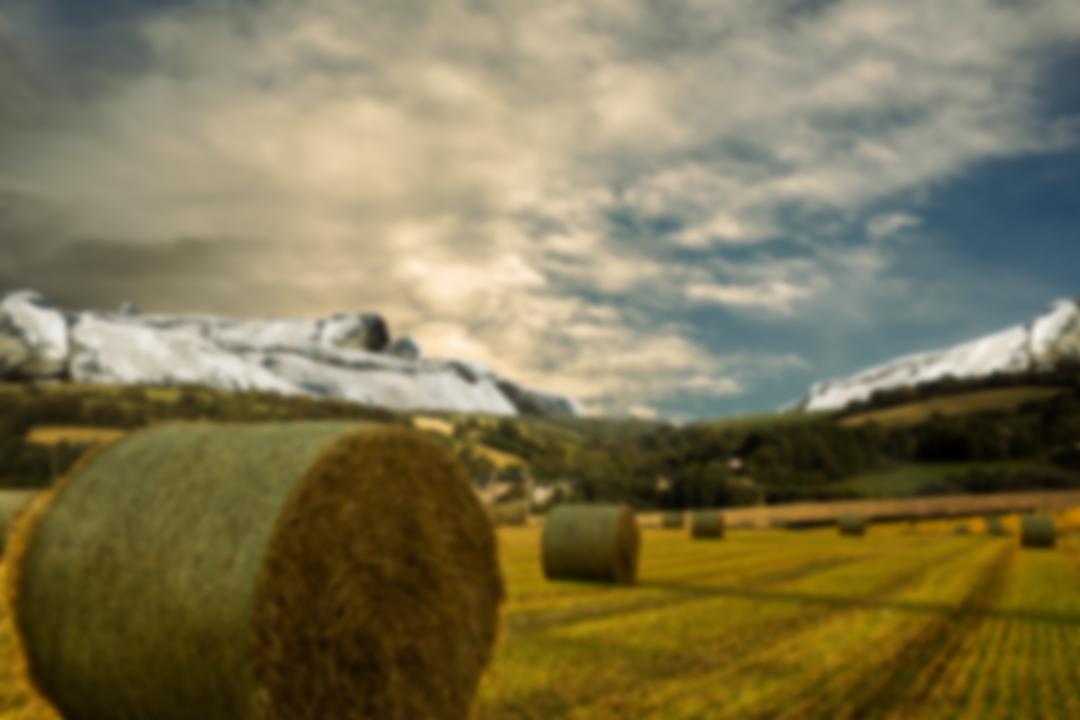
[(904, 480), (765, 420), (905, 622), (979, 401)]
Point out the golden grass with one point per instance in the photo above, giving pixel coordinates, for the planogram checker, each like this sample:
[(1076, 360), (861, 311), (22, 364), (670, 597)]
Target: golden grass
[(54, 434), (910, 622), (982, 400)]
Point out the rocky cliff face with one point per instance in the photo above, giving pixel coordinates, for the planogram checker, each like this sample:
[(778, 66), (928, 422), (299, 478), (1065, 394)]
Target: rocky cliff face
[(1054, 334), (348, 356)]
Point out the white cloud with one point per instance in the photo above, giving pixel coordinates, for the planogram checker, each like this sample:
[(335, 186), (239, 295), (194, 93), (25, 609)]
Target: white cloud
[(403, 158), (883, 226), (777, 296)]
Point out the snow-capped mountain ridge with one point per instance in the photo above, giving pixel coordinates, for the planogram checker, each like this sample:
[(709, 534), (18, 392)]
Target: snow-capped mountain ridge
[(347, 356), (1052, 335)]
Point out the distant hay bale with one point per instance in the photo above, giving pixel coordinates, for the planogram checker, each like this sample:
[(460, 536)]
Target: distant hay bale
[(511, 513), (1037, 531), (591, 542), (197, 571), (12, 504), (852, 524), (707, 524), (672, 521), (994, 526)]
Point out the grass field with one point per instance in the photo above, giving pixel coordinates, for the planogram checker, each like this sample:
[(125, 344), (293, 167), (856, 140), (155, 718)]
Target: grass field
[(980, 401), (908, 622)]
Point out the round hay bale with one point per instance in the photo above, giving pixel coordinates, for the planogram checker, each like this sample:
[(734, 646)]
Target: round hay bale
[(1037, 531), (12, 504), (511, 513), (672, 521), (852, 524), (591, 542), (994, 526), (198, 571), (707, 524)]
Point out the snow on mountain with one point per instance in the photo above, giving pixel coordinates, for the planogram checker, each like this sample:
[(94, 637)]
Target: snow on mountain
[(347, 356), (1053, 334)]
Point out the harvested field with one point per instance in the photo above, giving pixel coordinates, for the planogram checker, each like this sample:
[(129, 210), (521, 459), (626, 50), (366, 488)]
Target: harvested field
[(54, 434), (909, 622), (903, 624), (905, 508)]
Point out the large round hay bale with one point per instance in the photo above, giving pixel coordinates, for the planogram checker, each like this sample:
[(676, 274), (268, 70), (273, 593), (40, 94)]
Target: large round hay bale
[(672, 521), (1037, 531), (12, 504), (198, 571), (591, 542), (707, 524), (852, 524)]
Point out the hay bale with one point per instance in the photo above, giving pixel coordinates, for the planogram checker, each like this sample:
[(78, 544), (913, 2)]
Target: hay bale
[(852, 524), (591, 542), (672, 521), (198, 571), (12, 504), (512, 513), (707, 524), (994, 526), (1037, 531)]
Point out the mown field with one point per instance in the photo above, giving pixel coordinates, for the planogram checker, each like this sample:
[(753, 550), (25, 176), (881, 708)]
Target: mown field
[(907, 622)]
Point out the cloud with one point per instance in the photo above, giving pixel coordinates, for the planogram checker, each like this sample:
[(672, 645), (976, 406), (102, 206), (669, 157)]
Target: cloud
[(546, 187), (776, 296), (884, 226)]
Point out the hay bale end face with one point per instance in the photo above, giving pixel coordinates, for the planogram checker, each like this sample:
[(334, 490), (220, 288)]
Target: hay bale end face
[(12, 505), (672, 521), (1037, 531), (591, 542), (707, 524), (853, 525), (268, 572)]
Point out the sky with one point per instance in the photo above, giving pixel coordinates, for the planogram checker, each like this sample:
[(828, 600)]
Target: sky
[(681, 209)]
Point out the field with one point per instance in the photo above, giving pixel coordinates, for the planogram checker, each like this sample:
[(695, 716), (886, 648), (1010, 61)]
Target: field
[(908, 622), (972, 402)]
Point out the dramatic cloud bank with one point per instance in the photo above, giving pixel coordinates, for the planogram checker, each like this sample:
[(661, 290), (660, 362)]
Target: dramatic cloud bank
[(547, 188)]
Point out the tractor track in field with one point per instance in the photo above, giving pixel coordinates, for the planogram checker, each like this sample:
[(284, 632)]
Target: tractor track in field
[(893, 687), (539, 620), (559, 698)]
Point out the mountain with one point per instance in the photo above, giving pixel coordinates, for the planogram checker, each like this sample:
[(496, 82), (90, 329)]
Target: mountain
[(1054, 334), (348, 356)]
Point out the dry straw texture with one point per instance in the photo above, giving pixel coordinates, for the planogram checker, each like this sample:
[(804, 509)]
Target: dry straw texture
[(672, 520), (1037, 531), (289, 570), (707, 524), (591, 542), (852, 524), (12, 504)]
